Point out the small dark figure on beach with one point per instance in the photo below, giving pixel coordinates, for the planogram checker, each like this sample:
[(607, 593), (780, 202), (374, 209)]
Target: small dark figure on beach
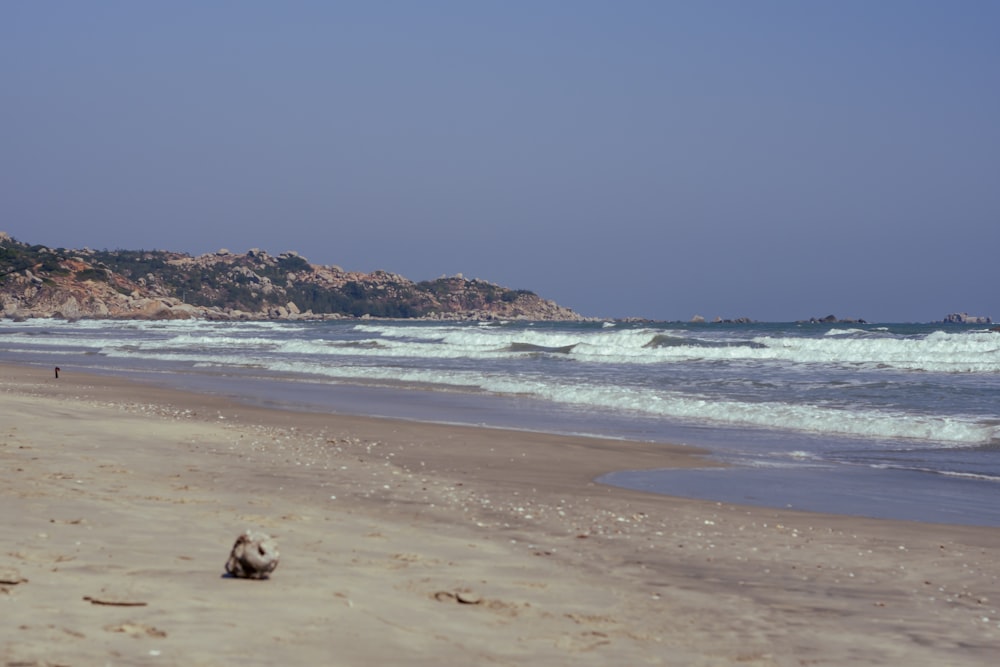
[(57, 372)]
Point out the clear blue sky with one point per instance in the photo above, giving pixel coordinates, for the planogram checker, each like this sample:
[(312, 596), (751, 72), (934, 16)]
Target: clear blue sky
[(770, 159)]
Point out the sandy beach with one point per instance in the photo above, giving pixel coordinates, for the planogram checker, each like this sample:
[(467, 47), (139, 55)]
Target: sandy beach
[(407, 543)]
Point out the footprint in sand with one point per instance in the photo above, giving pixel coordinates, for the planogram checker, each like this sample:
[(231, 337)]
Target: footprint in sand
[(136, 630), (11, 577)]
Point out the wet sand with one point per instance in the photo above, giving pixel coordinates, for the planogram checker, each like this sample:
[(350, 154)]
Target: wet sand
[(418, 544)]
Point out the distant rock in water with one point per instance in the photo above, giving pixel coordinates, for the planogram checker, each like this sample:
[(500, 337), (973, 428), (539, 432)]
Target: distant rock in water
[(833, 319), (698, 319), (965, 318), (36, 281)]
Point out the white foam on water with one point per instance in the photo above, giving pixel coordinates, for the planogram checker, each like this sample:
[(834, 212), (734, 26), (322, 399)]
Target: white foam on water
[(420, 353), (870, 424), (961, 352)]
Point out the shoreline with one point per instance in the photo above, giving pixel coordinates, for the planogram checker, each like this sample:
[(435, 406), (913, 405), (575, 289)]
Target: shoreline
[(881, 492), (118, 488)]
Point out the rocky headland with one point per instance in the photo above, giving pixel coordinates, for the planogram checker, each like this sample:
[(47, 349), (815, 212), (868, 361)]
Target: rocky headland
[(965, 318), (37, 281)]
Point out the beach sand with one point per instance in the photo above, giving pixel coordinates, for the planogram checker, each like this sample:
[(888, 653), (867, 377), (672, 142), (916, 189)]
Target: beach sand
[(420, 544)]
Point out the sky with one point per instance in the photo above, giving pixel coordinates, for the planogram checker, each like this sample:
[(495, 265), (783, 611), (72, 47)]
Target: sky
[(771, 159)]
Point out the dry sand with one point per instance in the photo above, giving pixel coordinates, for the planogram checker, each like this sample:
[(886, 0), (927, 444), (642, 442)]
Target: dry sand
[(418, 544)]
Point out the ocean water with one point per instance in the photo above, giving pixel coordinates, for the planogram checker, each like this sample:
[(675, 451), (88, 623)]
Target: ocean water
[(898, 421)]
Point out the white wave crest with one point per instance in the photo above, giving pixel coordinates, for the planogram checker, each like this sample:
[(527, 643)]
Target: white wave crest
[(873, 424), (963, 352)]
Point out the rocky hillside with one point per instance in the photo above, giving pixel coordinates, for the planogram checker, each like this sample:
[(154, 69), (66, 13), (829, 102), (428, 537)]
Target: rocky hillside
[(36, 281)]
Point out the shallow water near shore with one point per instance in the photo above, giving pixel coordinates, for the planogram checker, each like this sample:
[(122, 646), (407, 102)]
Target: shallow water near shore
[(883, 494), (893, 422)]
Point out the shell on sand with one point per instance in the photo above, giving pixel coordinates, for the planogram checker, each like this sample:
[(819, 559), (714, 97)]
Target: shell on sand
[(254, 556)]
